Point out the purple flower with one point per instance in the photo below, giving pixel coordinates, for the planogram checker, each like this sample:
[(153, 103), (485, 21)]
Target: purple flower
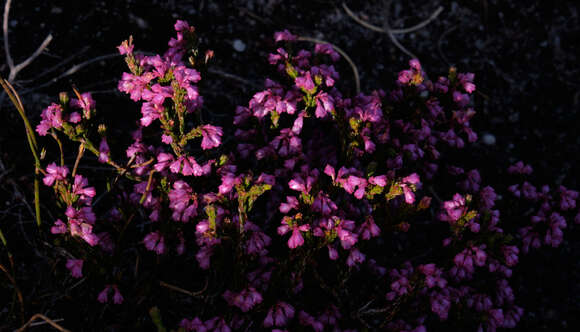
[(179, 202), (279, 315), (54, 173), (211, 136), (305, 82), (245, 300), (134, 85), (51, 118), (125, 48), (104, 151), (154, 242), (324, 104), (327, 49), (86, 103), (454, 209), (323, 204), (59, 227), (296, 238), (104, 295), (291, 203), (380, 180), (284, 35), (117, 297), (75, 267), (487, 197), (356, 257)]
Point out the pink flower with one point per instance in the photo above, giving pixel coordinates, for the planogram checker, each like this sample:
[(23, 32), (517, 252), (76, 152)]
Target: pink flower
[(324, 104), (296, 238), (356, 257), (103, 295), (305, 82), (54, 173), (51, 118), (59, 227), (86, 103), (117, 297), (125, 48), (327, 49), (104, 151), (279, 315), (211, 136), (291, 203), (75, 267), (284, 35), (380, 181), (154, 242)]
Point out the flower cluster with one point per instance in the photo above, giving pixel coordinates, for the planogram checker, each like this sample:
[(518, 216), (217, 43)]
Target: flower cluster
[(323, 213)]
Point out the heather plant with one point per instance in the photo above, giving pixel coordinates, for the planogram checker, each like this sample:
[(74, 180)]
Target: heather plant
[(314, 210)]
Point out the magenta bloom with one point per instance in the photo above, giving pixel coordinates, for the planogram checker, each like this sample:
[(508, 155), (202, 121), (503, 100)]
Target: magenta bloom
[(296, 239), (305, 82), (51, 118), (117, 297), (211, 136), (75, 267), (154, 242), (327, 49), (54, 173), (103, 296), (279, 315), (284, 35), (179, 201), (324, 104), (291, 203), (59, 227), (454, 209), (245, 300), (125, 48), (104, 151), (86, 103)]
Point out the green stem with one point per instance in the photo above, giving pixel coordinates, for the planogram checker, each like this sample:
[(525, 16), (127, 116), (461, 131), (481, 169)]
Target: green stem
[(31, 137)]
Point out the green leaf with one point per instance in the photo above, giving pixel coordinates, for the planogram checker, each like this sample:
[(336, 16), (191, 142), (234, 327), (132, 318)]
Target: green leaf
[(156, 317)]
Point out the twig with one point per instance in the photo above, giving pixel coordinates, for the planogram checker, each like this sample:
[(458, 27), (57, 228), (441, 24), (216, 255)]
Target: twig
[(392, 32), (16, 289), (185, 291), (392, 36), (148, 187), (44, 318), (5, 31), (344, 55), (45, 322), (401, 31), (57, 66), (15, 69), (79, 156), (71, 71)]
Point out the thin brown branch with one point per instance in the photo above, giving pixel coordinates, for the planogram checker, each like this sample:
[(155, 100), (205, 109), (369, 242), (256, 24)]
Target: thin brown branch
[(5, 31), (185, 291), (44, 318), (79, 156), (14, 71), (16, 290), (401, 31)]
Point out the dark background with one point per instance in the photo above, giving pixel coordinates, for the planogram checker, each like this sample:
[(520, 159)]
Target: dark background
[(523, 55)]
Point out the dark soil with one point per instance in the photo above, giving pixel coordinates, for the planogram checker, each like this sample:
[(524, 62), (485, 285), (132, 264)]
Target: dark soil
[(523, 54)]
